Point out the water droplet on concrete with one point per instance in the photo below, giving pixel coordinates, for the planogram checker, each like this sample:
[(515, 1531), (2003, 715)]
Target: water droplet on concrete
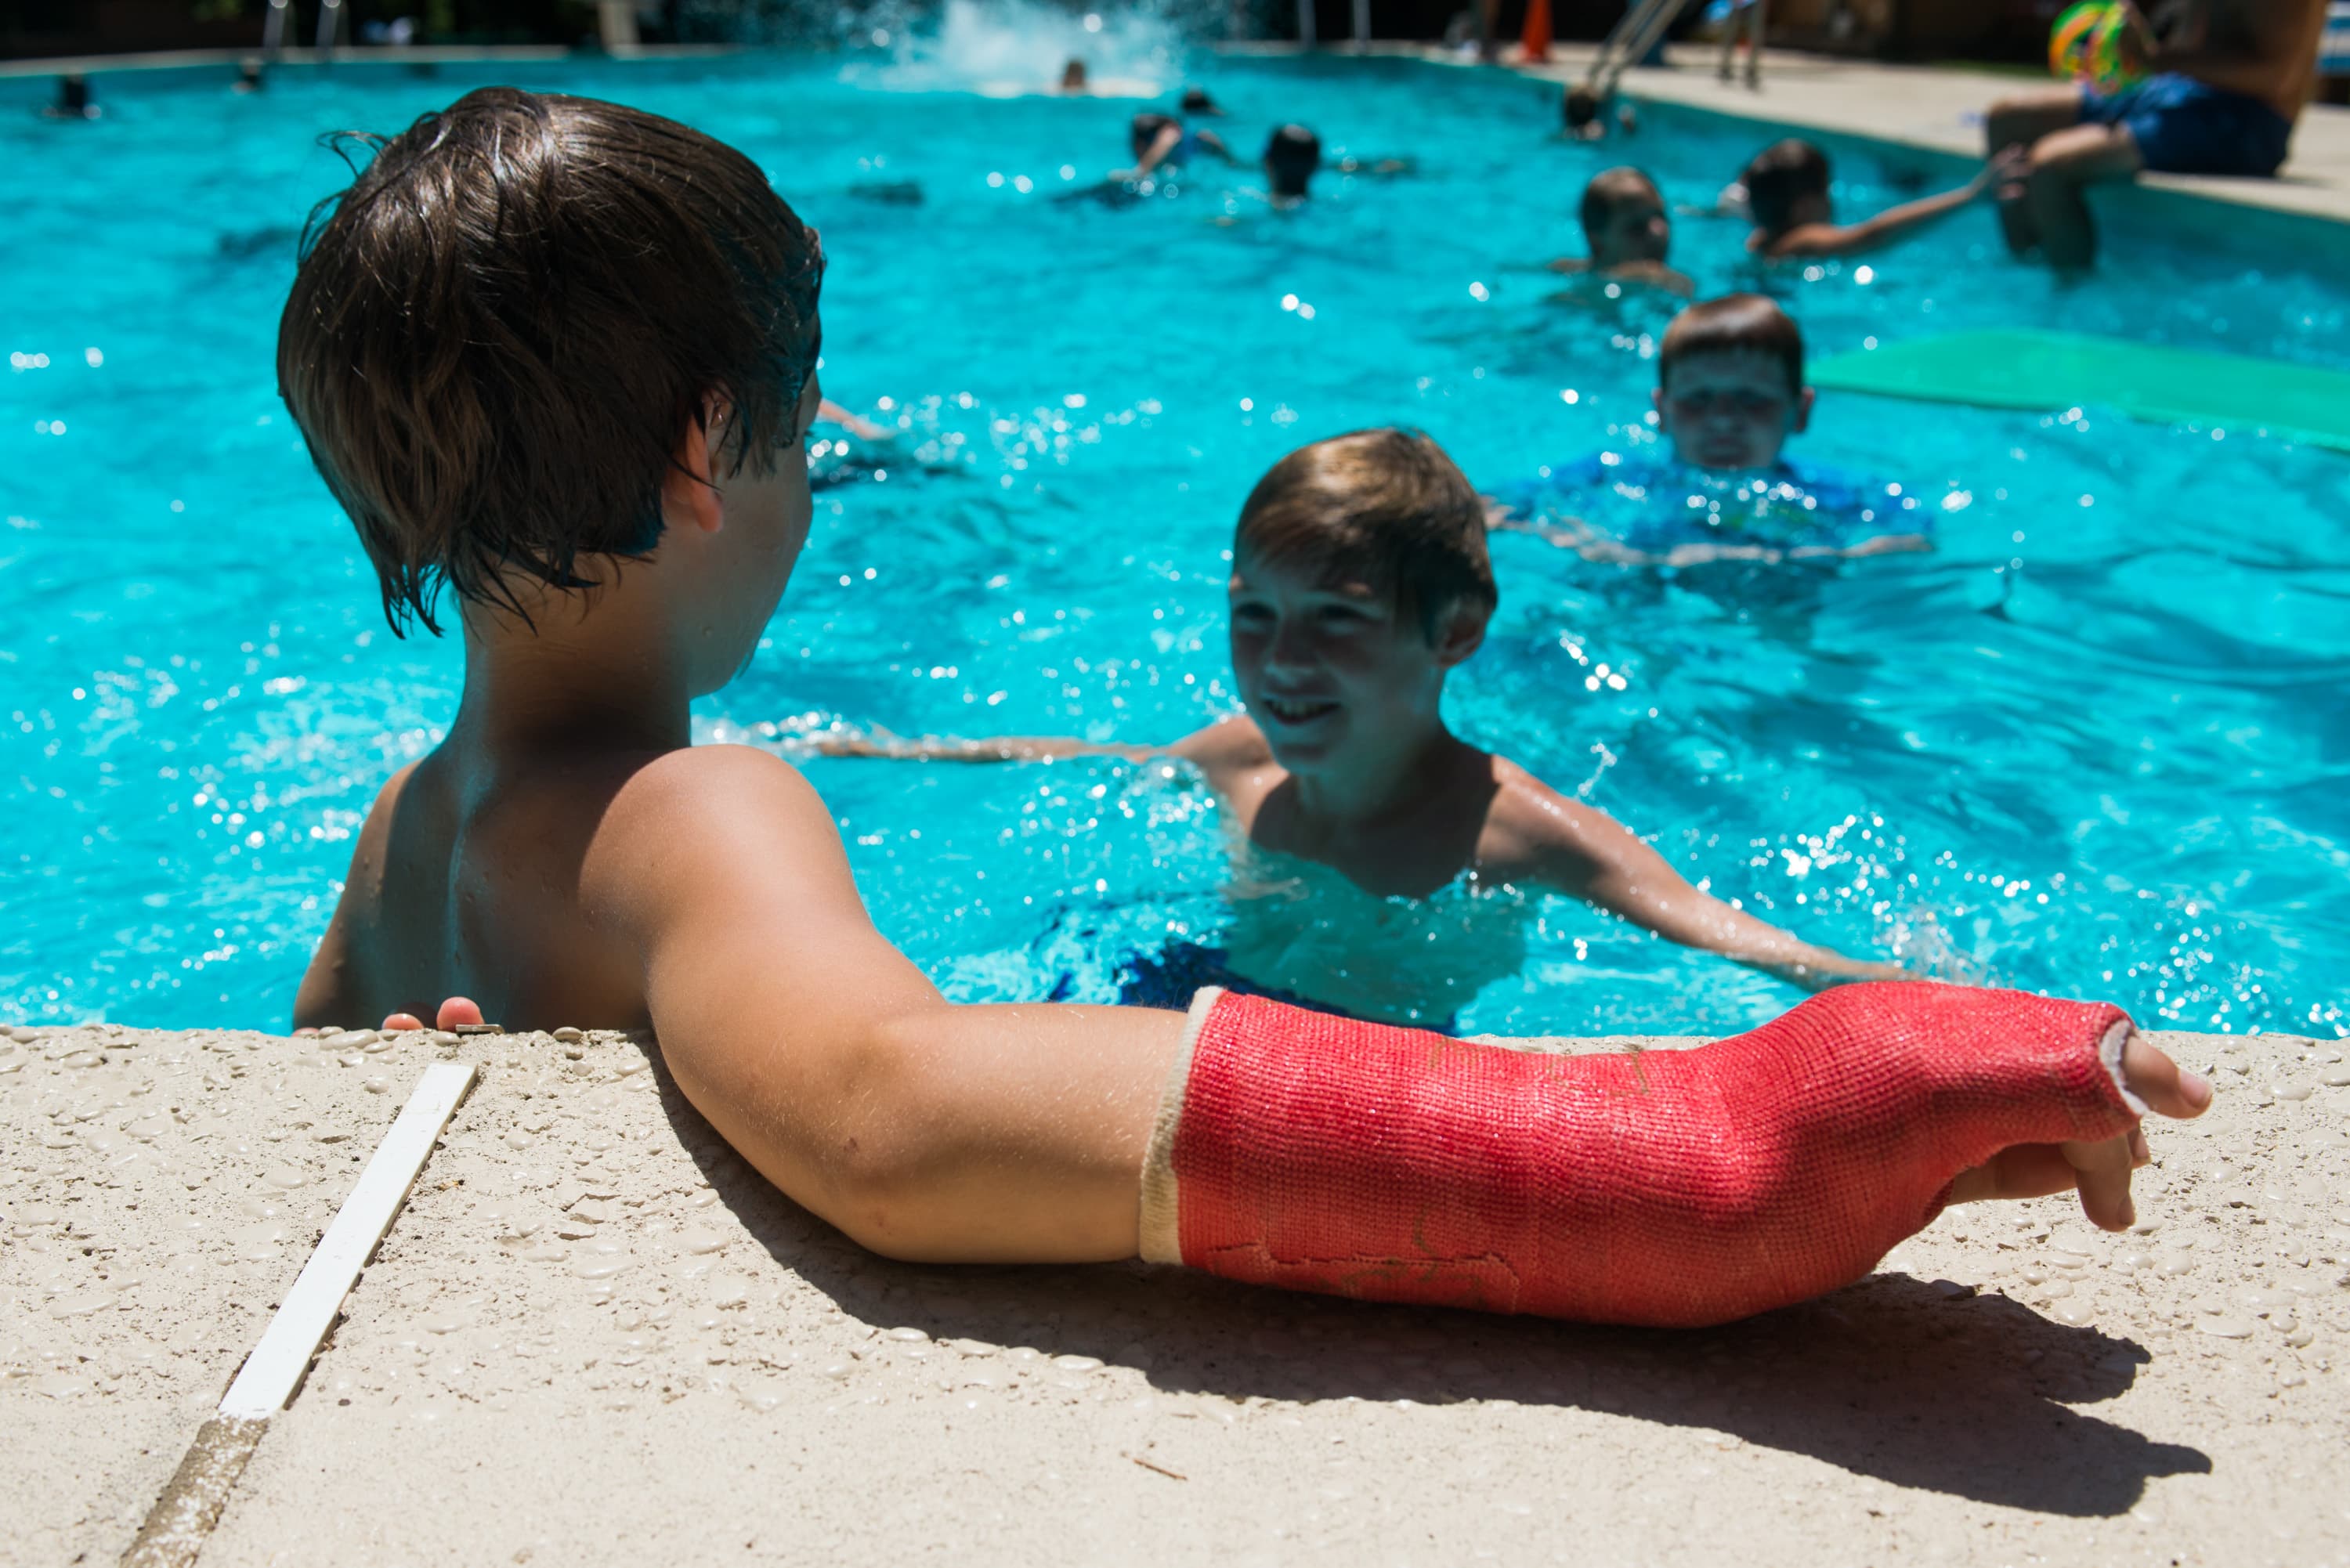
[(377, 1085), (546, 1253), (598, 1264), (347, 1040), (84, 1059), (1078, 1363), (2228, 1327), (57, 1385), (286, 1177), (2295, 1089), (696, 1239), (82, 1303)]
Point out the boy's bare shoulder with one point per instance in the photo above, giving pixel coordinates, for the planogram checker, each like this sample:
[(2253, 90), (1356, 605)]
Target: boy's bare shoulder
[(1533, 831)]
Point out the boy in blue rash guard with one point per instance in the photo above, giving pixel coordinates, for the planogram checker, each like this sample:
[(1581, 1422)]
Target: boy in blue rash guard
[(1730, 392)]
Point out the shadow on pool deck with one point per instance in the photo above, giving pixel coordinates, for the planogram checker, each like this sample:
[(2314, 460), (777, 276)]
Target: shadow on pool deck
[(1893, 1379)]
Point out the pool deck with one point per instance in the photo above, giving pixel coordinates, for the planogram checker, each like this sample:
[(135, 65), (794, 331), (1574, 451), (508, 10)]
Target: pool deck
[(594, 1337), (1929, 108)]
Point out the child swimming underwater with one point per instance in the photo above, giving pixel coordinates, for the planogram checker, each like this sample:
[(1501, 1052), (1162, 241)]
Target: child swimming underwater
[(1360, 582), (1729, 394), (542, 338)]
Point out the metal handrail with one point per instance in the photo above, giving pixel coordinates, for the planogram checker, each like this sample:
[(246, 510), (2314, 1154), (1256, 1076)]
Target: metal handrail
[(1630, 40)]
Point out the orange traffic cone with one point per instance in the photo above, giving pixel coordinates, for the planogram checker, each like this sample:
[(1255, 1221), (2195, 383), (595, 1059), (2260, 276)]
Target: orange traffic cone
[(1535, 42)]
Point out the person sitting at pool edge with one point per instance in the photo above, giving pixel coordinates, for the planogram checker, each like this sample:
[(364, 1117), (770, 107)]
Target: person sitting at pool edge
[(1628, 234), (1787, 197), (559, 356), (1360, 582), (2228, 82), (1729, 394)]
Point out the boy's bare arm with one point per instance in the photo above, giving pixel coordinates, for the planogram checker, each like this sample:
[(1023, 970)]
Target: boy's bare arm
[(922, 1129), (334, 988), (1586, 852), (1814, 241), (989, 749)]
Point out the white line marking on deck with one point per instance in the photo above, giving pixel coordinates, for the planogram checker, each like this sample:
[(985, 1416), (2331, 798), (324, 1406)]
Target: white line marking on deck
[(190, 1503)]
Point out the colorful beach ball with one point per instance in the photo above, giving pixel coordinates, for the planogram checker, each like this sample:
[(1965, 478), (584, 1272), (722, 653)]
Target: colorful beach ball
[(2092, 43)]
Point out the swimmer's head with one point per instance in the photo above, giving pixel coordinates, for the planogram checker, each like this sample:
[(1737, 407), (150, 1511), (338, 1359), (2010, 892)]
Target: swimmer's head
[(1359, 579), (1787, 185), (542, 336), (1624, 220), (1144, 129), (1730, 383), (1073, 76), (248, 74), (1580, 110), (1292, 154), (1197, 102), (73, 93)]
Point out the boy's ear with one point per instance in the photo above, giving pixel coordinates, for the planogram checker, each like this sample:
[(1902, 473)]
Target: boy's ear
[(1664, 420), (1803, 421), (690, 493), (1461, 632)]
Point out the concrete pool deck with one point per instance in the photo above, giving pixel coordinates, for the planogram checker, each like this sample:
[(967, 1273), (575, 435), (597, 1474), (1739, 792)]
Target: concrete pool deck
[(594, 1336), (1930, 109)]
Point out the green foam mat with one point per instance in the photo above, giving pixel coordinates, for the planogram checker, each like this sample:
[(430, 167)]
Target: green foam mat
[(2021, 368)]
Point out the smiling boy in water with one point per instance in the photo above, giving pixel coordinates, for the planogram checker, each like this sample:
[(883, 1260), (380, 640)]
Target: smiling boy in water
[(1729, 394), (559, 355), (1360, 582)]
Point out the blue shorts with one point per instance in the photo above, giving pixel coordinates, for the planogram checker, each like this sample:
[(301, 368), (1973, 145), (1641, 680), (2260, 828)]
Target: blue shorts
[(2183, 126)]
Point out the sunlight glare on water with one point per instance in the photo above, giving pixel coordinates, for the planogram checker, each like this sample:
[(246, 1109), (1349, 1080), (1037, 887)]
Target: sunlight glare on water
[(2095, 743)]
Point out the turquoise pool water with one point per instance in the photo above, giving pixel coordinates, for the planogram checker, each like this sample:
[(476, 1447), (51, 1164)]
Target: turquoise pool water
[(2095, 743)]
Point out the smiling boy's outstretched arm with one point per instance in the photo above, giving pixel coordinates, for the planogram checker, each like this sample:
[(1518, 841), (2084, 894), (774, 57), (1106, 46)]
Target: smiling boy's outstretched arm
[(1581, 850)]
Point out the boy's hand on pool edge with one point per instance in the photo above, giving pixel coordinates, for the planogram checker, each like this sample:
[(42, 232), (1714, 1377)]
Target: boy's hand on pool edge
[(2100, 1171)]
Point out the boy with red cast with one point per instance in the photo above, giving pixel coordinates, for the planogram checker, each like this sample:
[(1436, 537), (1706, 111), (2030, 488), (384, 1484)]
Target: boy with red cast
[(559, 355)]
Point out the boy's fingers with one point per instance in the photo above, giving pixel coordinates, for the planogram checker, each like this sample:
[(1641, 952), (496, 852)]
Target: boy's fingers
[(456, 1011), (403, 1021), (2104, 1171), (2165, 1086), (2026, 1170)]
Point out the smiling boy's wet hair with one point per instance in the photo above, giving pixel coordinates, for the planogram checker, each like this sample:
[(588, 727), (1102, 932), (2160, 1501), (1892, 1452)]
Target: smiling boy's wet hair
[(1382, 506), (1610, 191), (501, 331), (1780, 175), (1292, 154), (1734, 323)]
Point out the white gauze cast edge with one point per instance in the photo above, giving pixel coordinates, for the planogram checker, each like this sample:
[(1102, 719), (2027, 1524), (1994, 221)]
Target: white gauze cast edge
[(1162, 1232)]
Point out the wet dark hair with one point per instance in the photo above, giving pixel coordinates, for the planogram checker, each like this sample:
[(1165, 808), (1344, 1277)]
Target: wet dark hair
[(1734, 323), (1611, 190), (1385, 503), (1197, 102), (1580, 107), (1292, 154), (1144, 129), (1780, 175), (499, 334), (73, 92)]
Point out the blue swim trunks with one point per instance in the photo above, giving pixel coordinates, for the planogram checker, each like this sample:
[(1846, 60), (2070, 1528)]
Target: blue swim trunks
[(2183, 126)]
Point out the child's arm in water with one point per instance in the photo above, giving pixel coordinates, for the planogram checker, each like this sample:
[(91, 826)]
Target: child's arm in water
[(881, 744), (1582, 850), (1820, 241), (1573, 534)]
